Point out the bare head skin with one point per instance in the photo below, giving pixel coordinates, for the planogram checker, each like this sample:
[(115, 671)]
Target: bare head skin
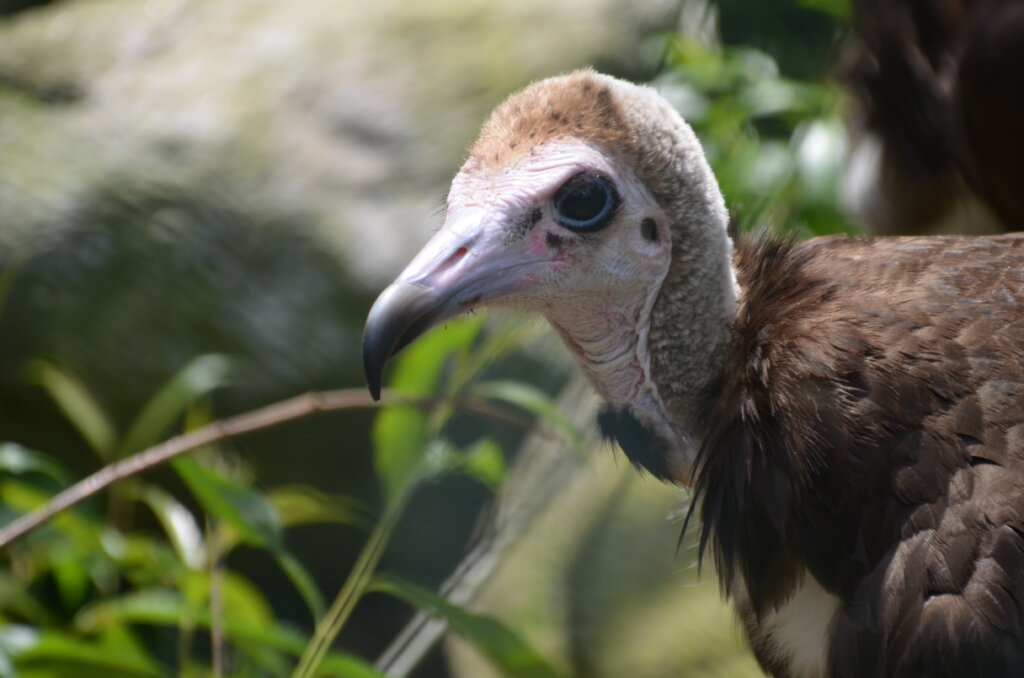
[(586, 199)]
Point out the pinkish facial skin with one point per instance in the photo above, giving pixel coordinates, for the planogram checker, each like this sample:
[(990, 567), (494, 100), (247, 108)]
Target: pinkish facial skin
[(502, 245)]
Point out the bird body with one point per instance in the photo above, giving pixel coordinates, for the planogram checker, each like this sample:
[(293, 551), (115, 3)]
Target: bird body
[(849, 412)]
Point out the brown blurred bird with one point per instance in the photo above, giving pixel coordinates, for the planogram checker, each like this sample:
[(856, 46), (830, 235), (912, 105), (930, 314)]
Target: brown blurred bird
[(849, 411), (938, 102)]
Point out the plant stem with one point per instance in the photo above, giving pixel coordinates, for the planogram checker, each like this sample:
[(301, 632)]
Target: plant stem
[(355, 585), (265, 417)]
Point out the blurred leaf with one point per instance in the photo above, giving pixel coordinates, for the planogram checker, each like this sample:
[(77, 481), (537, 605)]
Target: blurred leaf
[(400, 432), (243, 623), (178, 523), (250, 513), (485, 463), (302, 505), (439, 457), (15, 458), (65, 650), (16, 600), (23, 497), (72, 577), (151, 606), (532, 400), (200, 376), (399, 437), (337, 665), (837, 8), (492, 638), (303, 583), (418, 368), (14, 640), (243, 603), (78, 405)]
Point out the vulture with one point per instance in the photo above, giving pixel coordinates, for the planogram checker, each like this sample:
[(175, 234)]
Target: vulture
[(848, 411)]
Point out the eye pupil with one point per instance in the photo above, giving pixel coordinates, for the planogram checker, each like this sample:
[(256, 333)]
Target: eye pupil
[(586, 202)]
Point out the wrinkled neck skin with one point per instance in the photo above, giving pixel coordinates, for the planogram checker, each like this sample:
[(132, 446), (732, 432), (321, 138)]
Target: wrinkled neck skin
[(677, 326)]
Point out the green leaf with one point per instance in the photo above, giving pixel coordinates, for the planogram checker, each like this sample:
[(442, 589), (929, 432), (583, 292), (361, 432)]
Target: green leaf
[(418, 369), (15, 458), (485, 463), (178, 523), (78, 405), (72, 576), (491, 637), (23, 497), (250, 513), (303, 583), (399, 438), (149, 606), (303, 505), (244, 622), (64, 650), (198, 378), (242, 603), (17, 599), (532, 400), (338, 665), (400, 432), (837, 8)]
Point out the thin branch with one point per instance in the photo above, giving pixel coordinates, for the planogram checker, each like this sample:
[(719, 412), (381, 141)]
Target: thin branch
[(264, 417)]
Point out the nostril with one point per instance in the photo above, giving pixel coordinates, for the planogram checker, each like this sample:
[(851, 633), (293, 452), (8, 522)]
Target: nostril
[(456, 256)]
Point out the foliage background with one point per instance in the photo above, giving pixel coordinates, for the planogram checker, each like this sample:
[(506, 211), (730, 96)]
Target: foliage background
[(161, 269)]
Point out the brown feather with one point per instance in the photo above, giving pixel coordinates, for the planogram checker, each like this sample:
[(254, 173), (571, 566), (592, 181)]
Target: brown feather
[(868, 427)]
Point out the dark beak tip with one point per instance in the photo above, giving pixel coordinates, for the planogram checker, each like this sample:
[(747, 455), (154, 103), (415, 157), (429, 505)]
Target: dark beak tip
[(400, 314), (373, 366)]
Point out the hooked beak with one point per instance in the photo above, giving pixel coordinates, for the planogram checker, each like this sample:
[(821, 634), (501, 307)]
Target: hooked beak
[(465, 265)]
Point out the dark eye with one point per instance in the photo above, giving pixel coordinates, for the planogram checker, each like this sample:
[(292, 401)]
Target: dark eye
[(586, 202)]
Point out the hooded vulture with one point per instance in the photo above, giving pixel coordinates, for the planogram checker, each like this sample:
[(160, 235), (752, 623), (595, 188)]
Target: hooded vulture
[(849, 412)]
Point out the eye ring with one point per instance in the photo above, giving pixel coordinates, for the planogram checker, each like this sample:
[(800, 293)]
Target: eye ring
[(586, 202)]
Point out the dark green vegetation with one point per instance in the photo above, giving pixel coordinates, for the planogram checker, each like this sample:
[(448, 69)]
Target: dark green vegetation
[(202, 567)]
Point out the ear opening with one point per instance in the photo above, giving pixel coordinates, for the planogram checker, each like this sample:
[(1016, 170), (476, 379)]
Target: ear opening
[(649, 229)]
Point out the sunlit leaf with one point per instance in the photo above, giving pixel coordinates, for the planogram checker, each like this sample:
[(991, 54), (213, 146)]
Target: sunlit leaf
[(493, 639), (485, 463), (178, 523), (78, 405), (60, 649), (400, 432), (338, 665), (198, 378), (303, 505), (241, 603), (152, 606), (418, 368), (250, 513)]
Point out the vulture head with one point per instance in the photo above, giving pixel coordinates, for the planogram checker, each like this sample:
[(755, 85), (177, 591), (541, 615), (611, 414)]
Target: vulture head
[(586, 199)]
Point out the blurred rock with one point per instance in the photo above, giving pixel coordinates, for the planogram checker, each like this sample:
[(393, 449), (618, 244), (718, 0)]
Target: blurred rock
[(181, 176)]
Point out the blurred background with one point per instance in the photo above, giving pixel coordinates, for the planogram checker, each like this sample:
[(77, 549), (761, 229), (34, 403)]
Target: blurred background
[(200, 199)]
